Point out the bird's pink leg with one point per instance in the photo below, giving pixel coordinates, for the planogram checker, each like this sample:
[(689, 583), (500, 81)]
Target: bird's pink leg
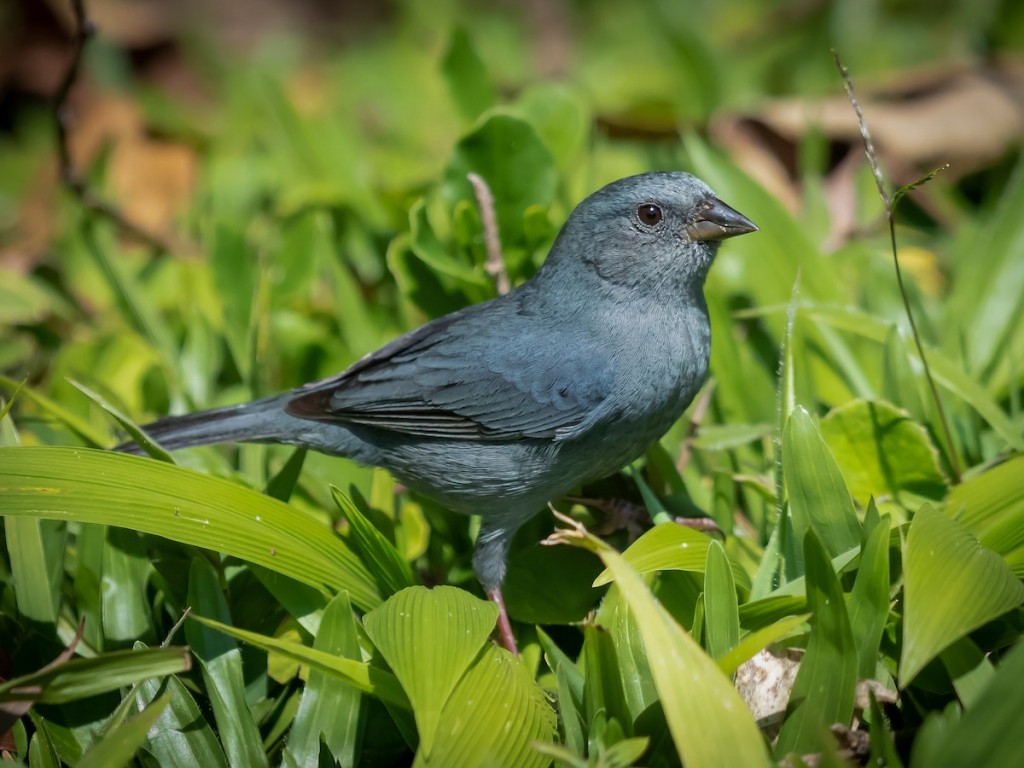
[(505, 635)]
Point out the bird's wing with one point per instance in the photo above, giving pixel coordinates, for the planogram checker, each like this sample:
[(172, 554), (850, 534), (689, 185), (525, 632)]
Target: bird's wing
[(471, 376)]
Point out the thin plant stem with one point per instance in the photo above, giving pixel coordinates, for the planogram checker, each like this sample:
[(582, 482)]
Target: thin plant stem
[(890, 204)]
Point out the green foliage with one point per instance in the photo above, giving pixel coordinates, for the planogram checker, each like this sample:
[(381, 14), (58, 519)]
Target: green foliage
[(331, 212)]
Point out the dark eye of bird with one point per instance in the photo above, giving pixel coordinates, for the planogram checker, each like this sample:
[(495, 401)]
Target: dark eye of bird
[(649, 214)]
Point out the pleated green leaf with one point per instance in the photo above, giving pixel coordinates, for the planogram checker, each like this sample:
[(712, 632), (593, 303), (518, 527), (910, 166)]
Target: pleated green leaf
[(492, 718), (952, 586), (90, 486), (429, 638)]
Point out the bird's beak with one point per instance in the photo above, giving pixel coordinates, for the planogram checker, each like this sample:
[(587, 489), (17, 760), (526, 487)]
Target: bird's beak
[(716, 221)]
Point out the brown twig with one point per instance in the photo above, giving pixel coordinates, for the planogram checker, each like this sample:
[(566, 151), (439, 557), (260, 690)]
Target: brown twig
[(495, 264), (176, 627), (86, 196), (890, 204)]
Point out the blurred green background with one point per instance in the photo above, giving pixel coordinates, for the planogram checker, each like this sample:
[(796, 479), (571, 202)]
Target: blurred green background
[(301, 167)]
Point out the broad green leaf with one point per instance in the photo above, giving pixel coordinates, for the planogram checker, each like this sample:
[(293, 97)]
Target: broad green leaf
[(119, 746), (429, 638), (466, 75), (868, 605), (283, 483), (721, 612), (181, 737), (988, 733), (510, 157), (952, 586), (329, 711), (561, 117), (824, 687), (221, 665), (131, 492), (493, 717), (544, 585), (127, 567), (389, 569), (818, 497), (672, 547), (41, 752), (883, 454), (710, 724)]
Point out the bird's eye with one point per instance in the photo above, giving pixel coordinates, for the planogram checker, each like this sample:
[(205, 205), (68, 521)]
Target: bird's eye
[(649, 214)]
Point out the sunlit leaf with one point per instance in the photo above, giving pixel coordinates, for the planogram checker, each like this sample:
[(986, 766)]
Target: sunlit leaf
[(127, 491)]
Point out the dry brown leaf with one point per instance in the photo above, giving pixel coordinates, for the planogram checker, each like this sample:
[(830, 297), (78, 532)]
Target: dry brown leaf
[(967, 117)]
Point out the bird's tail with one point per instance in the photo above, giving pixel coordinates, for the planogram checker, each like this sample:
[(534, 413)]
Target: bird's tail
[(258, 420)]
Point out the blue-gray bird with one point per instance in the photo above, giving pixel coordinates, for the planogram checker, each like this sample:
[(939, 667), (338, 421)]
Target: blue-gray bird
[(498, 408)]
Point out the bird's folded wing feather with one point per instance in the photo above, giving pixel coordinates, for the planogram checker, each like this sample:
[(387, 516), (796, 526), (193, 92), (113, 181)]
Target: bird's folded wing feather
[(471, 377)]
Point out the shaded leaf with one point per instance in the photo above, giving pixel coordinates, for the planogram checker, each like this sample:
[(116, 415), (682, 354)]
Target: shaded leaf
[(952, 584)]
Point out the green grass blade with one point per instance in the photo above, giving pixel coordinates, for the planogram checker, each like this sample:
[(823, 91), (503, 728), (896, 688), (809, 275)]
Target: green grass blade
[(721, 611), (387, 565), (221, 666), (181, 736), (869, 599), (327, 710), (823, 691), (818, 497), (79, 426), (710, 724), (361, 675), (81, 678), (117, 748)]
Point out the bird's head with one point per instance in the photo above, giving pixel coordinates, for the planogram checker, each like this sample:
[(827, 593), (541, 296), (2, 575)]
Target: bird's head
[(659, 230)]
